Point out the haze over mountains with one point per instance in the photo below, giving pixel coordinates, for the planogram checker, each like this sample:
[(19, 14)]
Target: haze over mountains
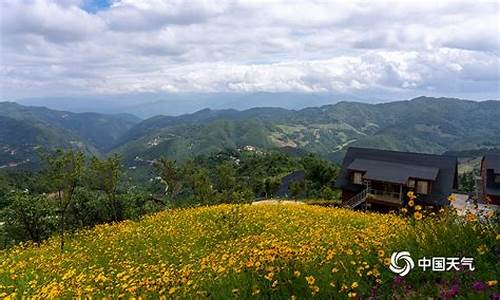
[(146, 105), (432, 125)]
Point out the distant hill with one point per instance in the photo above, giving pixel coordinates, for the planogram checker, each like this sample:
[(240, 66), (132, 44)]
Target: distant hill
[(24, 130), (432, 125), (146, 105)]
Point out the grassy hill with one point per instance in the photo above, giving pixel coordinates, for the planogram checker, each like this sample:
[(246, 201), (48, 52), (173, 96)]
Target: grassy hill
[(432, 125), (256, 251)]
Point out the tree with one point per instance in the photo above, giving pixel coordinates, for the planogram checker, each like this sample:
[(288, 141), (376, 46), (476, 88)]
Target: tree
[(171, 176), (28, 216), (105, 175), (65, 169), (226, 176), (467, 183)]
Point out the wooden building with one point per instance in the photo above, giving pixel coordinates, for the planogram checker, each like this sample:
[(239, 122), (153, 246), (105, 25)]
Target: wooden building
[(373, 177)]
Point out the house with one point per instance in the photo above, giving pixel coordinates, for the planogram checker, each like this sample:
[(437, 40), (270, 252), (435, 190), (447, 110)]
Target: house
[(382, 178), (490, 179)]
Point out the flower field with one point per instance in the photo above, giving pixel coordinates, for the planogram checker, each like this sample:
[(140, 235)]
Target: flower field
[(257, 251)]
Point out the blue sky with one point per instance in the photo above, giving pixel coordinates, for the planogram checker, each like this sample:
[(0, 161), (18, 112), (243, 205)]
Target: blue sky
[(383, 49), (93, 6)]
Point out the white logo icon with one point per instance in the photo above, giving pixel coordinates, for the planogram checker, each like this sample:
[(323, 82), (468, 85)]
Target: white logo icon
[(404, 256)]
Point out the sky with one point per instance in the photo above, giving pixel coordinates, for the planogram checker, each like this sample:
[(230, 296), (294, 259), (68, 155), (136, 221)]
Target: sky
[(363, 48)]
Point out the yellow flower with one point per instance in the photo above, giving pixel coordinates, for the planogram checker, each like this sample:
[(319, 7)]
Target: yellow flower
[(335, 270), (492, 283), (410, 194), (310, 280), (404, 210), (470, 217), (354, 285), (296, 273), (411, 203), (418, 207), (498, 237), (452, 198), (387, 261), (352, 295), (269, 276), (314, 289), (417, 215), (380, 253), (482, 249)]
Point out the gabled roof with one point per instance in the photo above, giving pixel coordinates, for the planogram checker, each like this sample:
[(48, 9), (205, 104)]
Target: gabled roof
[(391, 171), (395, 165), (492, 162)]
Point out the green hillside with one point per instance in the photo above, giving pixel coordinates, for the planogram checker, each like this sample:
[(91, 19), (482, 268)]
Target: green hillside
[(24, 130), (432, 125), (423, 124)]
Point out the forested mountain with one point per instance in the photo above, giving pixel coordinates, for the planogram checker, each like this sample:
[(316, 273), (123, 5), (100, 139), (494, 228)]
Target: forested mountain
[(24, 130), (432, 125), (423, 124)]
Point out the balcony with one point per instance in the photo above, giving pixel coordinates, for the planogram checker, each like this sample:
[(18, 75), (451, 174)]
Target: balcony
[(384, 197)]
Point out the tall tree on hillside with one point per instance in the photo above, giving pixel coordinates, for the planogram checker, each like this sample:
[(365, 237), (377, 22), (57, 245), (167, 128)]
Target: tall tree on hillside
[(65, 169), (171, 176), (198, 181), (105, 175), (226, 176)]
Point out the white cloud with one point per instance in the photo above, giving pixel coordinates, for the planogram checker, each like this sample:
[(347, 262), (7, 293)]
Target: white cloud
[(56, 47)]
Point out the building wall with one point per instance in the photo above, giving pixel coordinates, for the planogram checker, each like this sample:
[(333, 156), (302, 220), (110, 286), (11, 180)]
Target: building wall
[(346, 195), (494, 199)]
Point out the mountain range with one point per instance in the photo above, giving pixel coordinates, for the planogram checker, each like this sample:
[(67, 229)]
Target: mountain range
[(431, 125)]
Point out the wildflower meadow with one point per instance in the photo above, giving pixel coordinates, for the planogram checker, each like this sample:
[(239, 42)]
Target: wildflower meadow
[(274, 251)]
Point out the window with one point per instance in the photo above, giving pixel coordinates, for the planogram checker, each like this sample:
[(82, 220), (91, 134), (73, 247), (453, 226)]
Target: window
[(411, 183), (422, 187), (497, 178), (358, 178)]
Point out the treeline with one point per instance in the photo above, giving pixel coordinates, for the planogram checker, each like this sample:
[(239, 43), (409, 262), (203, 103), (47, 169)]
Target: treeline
[(73, 191)]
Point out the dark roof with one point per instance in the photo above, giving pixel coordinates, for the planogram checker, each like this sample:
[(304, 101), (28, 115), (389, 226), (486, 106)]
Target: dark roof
[(395, 165), (391, 171), (492, 162)]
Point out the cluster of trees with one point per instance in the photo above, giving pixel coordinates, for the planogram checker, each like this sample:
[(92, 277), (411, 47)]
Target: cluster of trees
[(70, 192), (241, 176), (73, 191)]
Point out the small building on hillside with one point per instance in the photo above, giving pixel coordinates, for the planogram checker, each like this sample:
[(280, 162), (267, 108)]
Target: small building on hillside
[(382, 178), (490, 179)]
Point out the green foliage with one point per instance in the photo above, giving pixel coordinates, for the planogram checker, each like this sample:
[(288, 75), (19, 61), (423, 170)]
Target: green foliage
[(84, 192), (28, 217), (466, 182), (105, 175)]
